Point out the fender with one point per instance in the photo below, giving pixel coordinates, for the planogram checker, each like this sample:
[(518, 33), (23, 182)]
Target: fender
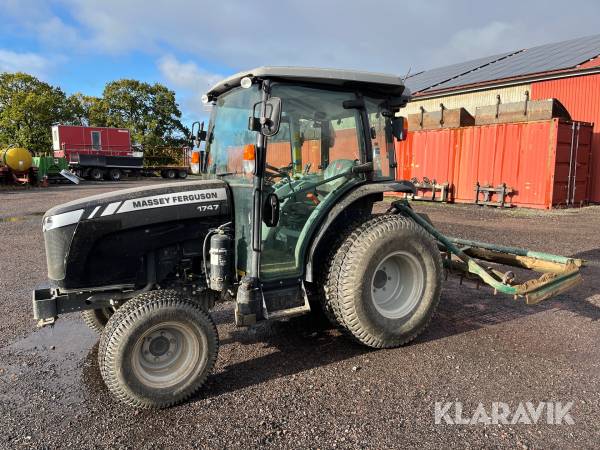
[(364, 191)]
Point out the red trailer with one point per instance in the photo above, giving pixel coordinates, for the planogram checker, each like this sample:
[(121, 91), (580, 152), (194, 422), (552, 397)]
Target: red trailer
[(97, 152)]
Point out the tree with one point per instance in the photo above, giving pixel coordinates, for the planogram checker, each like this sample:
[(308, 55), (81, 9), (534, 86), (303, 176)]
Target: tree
[(150, 111), (88, 110), (28, 109)]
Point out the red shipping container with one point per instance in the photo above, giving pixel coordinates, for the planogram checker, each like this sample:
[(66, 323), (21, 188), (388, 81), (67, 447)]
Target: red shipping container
[(581, 96), (546, 163)]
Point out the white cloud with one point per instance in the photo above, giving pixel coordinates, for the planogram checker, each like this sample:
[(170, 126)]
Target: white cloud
[(482, 41), (31, 63), (190, 82), (236, 34), (186, 75), (52, 31)]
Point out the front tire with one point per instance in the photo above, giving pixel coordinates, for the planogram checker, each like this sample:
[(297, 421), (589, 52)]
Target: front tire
[(97, 319), (385, 281), (157, 350)]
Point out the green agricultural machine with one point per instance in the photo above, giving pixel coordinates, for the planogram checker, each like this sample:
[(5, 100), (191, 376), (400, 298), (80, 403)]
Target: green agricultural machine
[(294, 161), (49, 169)]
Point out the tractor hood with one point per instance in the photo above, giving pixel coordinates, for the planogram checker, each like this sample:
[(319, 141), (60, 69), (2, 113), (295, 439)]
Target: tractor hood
[(103, 239), (143, 205)]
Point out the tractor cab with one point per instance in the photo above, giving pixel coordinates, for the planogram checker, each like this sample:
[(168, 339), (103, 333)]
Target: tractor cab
[(293, 143)]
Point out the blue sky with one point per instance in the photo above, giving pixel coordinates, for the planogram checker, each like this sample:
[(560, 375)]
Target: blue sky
[(188, 45)]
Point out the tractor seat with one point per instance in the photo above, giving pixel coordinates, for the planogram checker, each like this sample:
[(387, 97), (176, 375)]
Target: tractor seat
[(335, 168)]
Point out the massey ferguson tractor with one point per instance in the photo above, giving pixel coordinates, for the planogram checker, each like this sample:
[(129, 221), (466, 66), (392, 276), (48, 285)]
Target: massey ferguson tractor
[(281, 222)]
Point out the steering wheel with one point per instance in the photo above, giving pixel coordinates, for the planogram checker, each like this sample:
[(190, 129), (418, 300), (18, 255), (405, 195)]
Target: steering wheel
[(281, 172)]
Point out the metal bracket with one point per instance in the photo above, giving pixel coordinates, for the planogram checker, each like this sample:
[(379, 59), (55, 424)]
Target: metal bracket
[(502, 193), (429, 191)]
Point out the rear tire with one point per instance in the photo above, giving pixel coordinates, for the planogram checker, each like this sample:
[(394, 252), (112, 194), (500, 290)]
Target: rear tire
[(96, 319), (384, 282), (97, 174), (114, 175), (157, 350), (170, 174), (182, 174)]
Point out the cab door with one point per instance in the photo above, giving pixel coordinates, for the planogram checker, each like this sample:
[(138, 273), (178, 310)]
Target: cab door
[(308, 165)]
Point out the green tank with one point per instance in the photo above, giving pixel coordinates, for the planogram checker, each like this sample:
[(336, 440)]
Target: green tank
[(50, 167)]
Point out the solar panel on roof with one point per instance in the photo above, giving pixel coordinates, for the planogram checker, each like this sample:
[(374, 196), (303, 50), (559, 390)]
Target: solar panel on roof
[(544, 58), (429, 78)]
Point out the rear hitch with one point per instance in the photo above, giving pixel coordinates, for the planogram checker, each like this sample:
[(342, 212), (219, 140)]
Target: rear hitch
[(558, 273)]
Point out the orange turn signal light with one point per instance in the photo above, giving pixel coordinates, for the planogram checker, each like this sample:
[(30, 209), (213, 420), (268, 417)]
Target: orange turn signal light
[(249, 152), (195, 157)]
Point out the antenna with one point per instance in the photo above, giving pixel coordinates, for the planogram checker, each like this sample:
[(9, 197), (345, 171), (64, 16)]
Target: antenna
[(407, 74)]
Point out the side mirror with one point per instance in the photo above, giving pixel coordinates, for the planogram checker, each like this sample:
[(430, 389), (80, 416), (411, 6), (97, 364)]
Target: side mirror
[(269, 124), (270, 211), (200, 134), (398, 128)]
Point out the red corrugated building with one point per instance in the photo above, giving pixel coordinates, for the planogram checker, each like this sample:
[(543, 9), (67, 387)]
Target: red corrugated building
[(567, 71)]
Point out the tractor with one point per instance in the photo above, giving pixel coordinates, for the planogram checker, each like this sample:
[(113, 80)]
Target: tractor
[(281, 222)]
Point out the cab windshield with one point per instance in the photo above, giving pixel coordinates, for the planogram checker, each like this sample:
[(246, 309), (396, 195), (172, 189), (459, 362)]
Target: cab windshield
[(228, 133)]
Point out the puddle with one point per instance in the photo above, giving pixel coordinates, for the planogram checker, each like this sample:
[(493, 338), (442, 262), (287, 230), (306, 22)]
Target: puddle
[(66, 338), (21, 218), (48, 364)]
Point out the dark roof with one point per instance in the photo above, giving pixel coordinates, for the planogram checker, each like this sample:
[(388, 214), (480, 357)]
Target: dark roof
[(388, 84), (433, 77), (535, 60)]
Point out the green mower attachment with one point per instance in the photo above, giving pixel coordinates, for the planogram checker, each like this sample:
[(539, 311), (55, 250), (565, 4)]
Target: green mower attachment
[(559, 273)]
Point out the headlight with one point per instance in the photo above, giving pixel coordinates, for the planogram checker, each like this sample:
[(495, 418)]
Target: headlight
[(61, 220)]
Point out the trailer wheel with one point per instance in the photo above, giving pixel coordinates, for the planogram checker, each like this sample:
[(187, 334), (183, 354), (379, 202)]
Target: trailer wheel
[(182, 174), (96, 319), (96, 174), (157, 350), (114, 174), (386, 280), (170, 174)]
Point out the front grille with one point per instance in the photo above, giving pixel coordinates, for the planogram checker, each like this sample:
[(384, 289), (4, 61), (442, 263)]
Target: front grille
[(58, 242)]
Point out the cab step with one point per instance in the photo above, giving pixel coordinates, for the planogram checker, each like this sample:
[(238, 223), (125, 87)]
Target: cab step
[(285, 303)]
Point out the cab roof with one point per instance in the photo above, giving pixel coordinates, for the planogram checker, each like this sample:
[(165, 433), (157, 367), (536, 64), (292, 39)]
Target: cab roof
[(380, 83)]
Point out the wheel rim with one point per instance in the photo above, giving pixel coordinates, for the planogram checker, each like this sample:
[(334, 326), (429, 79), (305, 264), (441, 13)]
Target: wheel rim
[(169, 353), (397, 285), (171, 174)]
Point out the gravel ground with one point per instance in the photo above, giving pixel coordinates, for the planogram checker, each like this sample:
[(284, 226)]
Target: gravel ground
[(287, 385)]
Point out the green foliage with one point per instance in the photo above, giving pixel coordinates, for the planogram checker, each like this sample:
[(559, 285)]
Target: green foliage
[(149, 111), (28, 108), (88, 110)]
